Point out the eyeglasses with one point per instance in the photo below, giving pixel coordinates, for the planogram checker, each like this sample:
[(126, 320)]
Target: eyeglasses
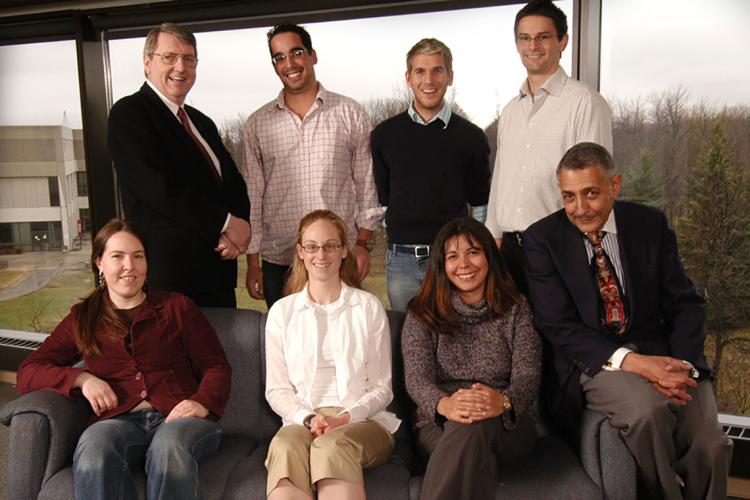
[(281, 57), (541, 38), (312, 248), (170, 59)]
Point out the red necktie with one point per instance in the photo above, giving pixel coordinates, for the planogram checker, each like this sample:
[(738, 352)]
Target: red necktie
[(614, 311), (186, 125)]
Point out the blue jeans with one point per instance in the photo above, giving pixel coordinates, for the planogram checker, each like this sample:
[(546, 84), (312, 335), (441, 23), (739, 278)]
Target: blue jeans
[(110, 449), (404, 275)]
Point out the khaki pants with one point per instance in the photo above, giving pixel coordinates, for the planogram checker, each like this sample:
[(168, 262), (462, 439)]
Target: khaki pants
[(341, 453)]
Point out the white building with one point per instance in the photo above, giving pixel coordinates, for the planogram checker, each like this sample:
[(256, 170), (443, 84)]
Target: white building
[(43, 190)]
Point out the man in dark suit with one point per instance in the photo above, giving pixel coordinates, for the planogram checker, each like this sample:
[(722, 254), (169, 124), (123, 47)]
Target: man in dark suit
[(179, 184), (626, 328)]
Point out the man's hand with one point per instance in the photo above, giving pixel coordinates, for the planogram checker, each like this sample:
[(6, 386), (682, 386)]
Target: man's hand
[(669, 376), (238, 231), (97, 392), (319, 424), (226, 248), (187, 408), (254, 277), (362, 256)]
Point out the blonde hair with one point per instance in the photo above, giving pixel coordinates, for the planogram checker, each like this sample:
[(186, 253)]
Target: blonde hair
[(298, 274)]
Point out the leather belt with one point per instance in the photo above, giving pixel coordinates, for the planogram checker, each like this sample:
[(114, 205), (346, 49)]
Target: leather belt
[(415, 250)]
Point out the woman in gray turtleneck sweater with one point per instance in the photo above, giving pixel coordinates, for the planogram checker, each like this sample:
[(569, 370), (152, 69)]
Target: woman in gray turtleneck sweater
[(472, 361)]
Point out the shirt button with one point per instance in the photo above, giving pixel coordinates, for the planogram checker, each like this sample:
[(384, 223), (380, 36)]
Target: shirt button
[(144, 394), (521, 191), (138, 376), (528, 146), (523, 168)]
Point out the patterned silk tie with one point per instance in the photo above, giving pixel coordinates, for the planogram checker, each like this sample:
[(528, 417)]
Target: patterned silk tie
[(614, 311), (186, 125)]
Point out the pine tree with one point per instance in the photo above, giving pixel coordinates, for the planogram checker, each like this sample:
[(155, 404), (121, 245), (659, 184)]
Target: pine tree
[(715, 240), (643, 184)]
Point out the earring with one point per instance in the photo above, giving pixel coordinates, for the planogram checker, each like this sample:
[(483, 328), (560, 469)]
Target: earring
[(102, 283)]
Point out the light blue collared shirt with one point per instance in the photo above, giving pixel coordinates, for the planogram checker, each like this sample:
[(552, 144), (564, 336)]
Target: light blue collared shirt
[(443, 115)]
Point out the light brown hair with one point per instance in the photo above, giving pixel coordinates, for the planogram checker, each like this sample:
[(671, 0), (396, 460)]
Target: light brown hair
[(298, 274)]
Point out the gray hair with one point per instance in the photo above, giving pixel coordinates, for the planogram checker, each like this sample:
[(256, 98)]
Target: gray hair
[(588, 154)]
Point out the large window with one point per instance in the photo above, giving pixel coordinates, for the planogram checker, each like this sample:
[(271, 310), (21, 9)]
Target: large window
[(41, 275), (681, 107)]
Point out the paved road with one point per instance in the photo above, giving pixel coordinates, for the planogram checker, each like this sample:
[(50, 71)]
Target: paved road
[(40, 268)]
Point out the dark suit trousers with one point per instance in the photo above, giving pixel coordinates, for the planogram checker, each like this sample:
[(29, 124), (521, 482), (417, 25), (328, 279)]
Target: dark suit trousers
[(463, 458), (511, 251), (274, 277), (666, 440)]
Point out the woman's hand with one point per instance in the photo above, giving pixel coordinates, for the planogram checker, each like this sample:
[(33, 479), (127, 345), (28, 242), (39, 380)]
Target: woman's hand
[(97, 392), (463, 406), (319, 425), (491, 401), (466, 406), (187, 408)]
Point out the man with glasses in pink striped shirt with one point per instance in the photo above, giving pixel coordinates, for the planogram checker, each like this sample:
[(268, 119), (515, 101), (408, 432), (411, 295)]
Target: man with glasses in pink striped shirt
[(307, 149)]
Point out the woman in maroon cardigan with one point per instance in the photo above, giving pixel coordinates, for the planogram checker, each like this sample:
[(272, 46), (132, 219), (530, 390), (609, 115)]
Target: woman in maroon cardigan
[(154, 373)]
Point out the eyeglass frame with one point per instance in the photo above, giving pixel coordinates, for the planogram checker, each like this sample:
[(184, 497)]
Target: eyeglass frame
[(313, 248), (280, 57), (540, 38), (186, 58)]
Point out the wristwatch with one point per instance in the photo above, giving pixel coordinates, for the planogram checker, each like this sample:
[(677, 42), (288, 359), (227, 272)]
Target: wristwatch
[(307, 422), (368, 244), (506, 403)]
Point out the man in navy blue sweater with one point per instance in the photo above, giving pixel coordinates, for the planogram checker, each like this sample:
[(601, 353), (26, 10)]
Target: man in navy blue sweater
[(430, 166)]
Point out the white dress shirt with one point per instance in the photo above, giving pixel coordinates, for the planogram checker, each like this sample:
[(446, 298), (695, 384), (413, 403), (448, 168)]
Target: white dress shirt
[(532, 136), (359, 337)]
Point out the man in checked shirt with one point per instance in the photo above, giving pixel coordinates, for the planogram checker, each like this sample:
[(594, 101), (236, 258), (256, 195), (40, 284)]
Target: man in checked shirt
[(307, 149)]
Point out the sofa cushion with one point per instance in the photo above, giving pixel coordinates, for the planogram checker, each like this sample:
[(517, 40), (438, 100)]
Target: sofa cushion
[(214, 472), (552, 471)]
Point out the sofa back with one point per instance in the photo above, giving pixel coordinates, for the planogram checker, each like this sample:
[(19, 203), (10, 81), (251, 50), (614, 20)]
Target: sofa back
[(241, 332)]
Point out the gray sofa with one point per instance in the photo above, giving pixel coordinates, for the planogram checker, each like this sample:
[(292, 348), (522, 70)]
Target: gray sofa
[(44, 429)]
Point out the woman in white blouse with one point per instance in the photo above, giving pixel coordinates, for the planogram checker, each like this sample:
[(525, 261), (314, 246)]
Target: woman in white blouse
[(328, 371)]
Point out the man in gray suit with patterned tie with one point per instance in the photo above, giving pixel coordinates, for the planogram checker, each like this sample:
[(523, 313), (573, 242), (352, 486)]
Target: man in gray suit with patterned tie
[(626, 328)]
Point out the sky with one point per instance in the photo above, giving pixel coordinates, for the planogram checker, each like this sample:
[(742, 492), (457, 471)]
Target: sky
[(647, 46)]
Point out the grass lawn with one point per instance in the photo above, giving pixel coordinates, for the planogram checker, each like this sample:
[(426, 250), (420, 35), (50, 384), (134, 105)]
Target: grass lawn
[(7, 278), (42, 310)]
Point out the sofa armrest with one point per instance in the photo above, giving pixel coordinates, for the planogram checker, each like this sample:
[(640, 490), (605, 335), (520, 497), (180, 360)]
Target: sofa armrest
[(44, 431), (606, 459)]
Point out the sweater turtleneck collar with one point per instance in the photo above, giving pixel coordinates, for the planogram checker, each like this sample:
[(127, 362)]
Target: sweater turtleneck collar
[(469, 313)]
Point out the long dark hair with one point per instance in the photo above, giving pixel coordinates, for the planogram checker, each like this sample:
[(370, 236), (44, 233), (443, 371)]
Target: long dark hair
[(94, 307), (433, 302)]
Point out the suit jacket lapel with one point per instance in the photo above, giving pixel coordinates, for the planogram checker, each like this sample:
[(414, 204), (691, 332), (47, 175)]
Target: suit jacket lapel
[(193, 159), (575, 270), (632, 252)]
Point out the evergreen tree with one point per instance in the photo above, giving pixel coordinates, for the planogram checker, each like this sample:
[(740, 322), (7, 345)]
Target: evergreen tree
[(715, 240), (643, 184)]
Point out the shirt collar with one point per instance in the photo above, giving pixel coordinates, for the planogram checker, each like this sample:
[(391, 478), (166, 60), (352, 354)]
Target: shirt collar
[(322, 97), (172, 106), (303, 301), (443, 115), (553, 85), (610, 226)]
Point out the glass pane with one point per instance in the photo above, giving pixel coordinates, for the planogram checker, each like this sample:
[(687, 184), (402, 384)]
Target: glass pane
[(43, 264), (681, 107)]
